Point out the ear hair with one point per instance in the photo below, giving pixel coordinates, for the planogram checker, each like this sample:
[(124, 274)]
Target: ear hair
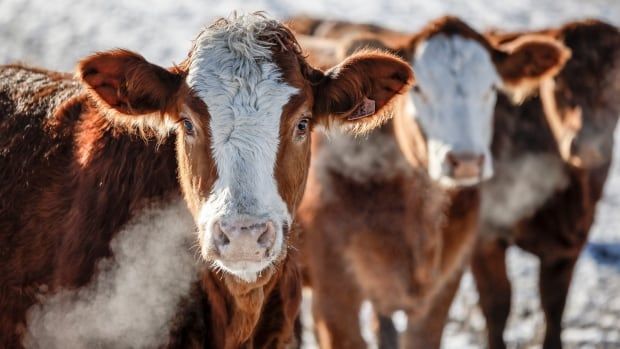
[(126, 82), (526, 61), (135, 93), (364, 84)]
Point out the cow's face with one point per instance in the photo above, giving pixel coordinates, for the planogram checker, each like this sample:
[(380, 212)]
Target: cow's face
[(458, 75), (242, 106), (453, 101)]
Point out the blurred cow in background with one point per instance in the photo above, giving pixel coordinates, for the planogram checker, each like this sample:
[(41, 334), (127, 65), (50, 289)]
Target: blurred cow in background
[(393, 217), (552, 157)]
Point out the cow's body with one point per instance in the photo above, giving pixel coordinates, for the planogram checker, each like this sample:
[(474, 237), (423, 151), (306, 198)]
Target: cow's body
[(147, 207), (396, 238), (61, 171), (64, 193), (541, 199)]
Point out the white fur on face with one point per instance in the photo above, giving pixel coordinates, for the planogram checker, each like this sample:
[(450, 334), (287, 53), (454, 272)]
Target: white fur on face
[(232, 71), (454, 101)]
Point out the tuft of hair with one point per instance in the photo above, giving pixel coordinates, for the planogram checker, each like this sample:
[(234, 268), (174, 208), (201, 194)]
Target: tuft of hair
[(251, 36)]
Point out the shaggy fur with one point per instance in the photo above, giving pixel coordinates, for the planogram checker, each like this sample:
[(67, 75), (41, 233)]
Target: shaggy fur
[(67, 173), (83, 162)]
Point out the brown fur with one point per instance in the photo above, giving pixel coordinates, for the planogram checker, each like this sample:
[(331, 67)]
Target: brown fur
[(557, 230), (398, 246), (61, 174), (409, 246), (79, 158)]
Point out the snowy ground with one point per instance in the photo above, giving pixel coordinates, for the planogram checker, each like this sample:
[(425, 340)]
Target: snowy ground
[(55, 34)]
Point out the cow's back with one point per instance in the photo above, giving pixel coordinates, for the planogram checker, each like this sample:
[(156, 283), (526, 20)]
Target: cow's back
[(70, 179), (34, 144)]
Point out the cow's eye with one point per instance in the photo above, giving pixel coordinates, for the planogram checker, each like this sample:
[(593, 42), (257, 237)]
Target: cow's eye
[(188, 126), (302, 128)]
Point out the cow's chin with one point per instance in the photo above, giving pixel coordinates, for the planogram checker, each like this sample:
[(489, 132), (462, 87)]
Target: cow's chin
[(246, 271), (454, 183), (449, 182)]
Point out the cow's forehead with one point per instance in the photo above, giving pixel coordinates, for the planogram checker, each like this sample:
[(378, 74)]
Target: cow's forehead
[(454, 61), (232, 69)]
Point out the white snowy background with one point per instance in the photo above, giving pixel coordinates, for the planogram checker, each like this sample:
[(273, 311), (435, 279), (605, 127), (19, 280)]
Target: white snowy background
[(56, 33)]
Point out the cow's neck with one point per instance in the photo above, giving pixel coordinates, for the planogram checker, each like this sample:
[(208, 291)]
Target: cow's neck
[(235, 306), (371, 158), (247, 300)]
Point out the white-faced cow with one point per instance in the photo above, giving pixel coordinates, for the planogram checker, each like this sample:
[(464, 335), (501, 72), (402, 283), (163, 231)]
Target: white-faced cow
[(81, 159), (392, 218), (553, 154)]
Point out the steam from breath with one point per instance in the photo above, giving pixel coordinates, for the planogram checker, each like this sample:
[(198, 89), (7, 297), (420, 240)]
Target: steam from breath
[(135, 294), (519, 187)]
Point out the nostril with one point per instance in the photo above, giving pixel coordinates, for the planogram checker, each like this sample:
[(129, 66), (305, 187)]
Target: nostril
[(268, 236), (221, 239), (452, 160), (480, 160)]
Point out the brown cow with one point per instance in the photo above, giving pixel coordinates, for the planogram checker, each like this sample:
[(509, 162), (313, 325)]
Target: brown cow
[(553, 155), (393, 218), (88, 162)]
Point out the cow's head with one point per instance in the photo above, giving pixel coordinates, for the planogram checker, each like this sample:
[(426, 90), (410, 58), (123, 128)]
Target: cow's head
[(242, 106), (457, 77), (582, 103)]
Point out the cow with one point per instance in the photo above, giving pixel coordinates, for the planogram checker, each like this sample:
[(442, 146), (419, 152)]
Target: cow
[(553, 155), (393, 217), (217, 146)]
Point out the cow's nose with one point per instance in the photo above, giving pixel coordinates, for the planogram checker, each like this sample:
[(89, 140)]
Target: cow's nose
[(465, 165), (244, 239)]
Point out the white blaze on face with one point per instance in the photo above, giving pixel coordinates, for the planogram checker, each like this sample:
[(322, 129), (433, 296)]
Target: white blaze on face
[(234, 74), (454, 101)]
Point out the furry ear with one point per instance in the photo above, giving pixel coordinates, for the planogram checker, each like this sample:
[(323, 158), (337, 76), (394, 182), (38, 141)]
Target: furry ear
[(357, 91), (127, 83), (524, 62)]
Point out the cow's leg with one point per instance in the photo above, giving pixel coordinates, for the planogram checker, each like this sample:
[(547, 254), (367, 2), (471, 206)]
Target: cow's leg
[(425, 332), (554, 283), (388, 336), (336, 304), (489, 270)]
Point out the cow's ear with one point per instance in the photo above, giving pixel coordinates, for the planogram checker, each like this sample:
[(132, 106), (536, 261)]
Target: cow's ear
[(529, 59), (126, 82), (357, 91)]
